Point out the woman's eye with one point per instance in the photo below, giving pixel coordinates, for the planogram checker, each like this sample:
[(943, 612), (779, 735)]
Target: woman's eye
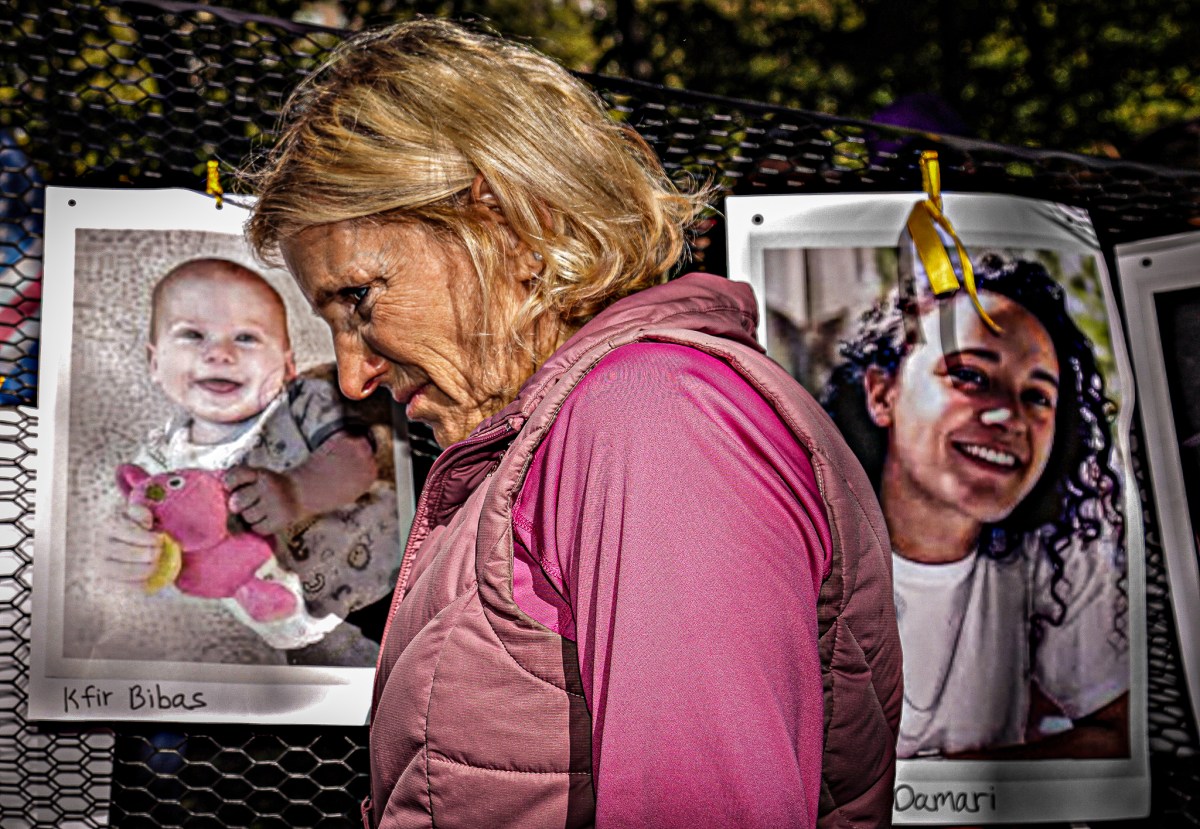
[(967, 377), (1039, 398), (355, 294)]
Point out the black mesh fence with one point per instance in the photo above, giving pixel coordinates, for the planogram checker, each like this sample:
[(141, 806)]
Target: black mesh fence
[(144, 94)]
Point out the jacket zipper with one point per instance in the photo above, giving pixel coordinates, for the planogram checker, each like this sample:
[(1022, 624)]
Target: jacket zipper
[(432, 483)]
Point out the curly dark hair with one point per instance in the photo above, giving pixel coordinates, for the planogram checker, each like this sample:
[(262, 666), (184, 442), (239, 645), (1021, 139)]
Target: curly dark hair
[(1077, 495)]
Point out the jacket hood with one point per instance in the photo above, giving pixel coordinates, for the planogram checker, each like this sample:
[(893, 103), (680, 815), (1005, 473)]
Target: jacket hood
[(698, 302)]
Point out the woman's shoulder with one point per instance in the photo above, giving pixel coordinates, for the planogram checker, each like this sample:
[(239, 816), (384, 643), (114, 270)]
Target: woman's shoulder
[(674, 402), (661, 364), (644, 382), (654, 354)]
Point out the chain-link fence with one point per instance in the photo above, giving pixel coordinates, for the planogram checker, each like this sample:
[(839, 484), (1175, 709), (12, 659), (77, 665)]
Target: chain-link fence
[(143, 94)]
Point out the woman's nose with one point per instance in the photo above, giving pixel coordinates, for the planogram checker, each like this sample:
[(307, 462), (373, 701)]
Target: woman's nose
[(1002, 413), (360, 369), (996, 416)]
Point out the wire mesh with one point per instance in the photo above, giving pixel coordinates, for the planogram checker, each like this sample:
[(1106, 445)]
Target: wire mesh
[(143, 94)]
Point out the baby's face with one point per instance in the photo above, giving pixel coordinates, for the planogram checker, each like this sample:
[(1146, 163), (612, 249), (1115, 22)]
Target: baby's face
[(220, 351)]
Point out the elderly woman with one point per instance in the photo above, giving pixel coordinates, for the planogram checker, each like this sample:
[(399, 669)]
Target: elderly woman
[(645, 552)]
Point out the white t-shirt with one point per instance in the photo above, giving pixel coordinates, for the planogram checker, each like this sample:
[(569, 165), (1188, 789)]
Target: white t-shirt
[(965, 627)]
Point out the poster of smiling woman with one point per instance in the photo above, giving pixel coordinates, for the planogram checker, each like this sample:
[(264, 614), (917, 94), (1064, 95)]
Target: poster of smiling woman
[(218, 528), (993, 424)]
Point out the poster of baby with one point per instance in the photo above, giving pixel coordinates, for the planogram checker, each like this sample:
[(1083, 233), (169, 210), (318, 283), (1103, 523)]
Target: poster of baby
[(218, 528), (992, 418)]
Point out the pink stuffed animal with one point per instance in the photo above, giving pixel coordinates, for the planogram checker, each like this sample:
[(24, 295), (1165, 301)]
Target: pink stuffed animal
[(189, 506)]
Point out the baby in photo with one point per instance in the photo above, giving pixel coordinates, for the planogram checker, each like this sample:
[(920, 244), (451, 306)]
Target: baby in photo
[(261, 490)]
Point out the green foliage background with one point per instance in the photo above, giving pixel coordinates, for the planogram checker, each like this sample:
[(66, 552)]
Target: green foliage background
[(1084, 76), (1078, 75), (1090, 76)]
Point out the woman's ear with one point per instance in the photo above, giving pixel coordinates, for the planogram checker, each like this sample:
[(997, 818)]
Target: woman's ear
[(880, 391), (526, 263), (483, 195)]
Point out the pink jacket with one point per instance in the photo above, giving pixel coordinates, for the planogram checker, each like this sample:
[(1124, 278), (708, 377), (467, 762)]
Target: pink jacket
[(481, 716)]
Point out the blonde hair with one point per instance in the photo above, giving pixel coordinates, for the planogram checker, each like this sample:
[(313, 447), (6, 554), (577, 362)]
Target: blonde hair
[(397, 124)]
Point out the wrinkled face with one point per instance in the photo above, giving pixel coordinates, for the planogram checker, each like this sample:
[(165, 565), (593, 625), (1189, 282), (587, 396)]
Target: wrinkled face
[(970, 413), (221, 349), (404, 308)]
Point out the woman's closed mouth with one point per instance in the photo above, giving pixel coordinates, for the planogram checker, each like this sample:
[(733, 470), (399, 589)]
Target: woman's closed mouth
[(409, 397)]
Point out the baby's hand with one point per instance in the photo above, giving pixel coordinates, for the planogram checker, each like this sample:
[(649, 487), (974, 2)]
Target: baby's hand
[(265, 500), (133, 551)]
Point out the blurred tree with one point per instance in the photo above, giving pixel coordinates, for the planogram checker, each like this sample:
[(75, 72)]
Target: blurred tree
[(1082, 75), (1068, 74), (1072, 74)]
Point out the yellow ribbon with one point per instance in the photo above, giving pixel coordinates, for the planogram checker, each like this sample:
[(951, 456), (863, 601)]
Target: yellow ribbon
[(921, 226), (212, 186)]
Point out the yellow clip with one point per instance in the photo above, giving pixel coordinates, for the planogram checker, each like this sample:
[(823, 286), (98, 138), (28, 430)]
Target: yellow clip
[(213, 186), (921, 226)]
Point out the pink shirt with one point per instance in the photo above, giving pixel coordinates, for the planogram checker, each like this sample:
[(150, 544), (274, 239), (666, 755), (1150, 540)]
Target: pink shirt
[(682, 549)]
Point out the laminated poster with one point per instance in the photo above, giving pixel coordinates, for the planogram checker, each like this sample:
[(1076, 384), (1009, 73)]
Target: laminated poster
[(1001, 463), (185, 385), (1160, 286)]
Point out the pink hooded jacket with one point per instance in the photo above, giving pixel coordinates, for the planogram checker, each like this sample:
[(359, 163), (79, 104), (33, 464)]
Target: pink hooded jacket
[(480, 715)]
